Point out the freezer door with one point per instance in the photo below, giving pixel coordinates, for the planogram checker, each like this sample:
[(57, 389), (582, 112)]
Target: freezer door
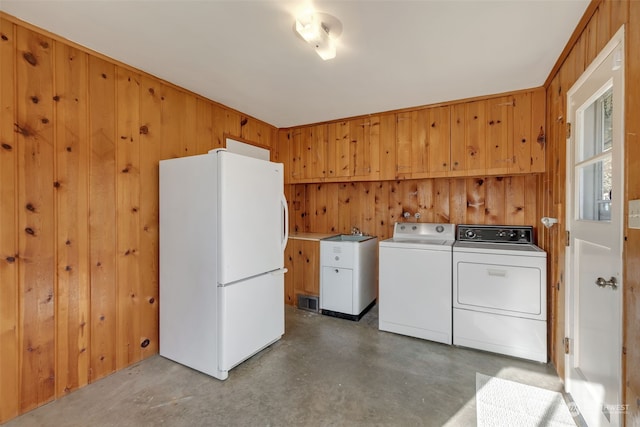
[(252, 217), (251, 317)]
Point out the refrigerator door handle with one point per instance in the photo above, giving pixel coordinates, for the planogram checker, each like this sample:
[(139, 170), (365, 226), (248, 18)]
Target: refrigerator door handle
[(285, 222)]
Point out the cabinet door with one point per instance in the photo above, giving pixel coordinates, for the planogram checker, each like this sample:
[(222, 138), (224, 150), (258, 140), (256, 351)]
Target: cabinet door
[(306, 257), (338, 150), (336, 289), (439, 141), (361, 148), (528, 144), (404, 141), (295, 154), (458, 146)]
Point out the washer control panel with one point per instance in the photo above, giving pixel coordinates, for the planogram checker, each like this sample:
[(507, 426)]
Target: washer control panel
[(423, 230), (495, 233)]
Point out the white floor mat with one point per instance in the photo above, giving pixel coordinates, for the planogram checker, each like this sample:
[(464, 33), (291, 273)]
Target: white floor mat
[(506, 403)]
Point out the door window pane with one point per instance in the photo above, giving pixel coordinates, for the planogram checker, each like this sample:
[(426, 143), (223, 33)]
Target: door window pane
[(597, 127), (595, 191)]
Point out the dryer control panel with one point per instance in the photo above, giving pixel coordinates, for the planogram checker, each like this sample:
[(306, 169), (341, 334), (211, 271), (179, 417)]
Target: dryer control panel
[(495, 233)]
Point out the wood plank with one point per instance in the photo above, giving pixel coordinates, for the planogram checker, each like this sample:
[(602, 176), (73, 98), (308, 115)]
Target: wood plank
[(36, 217), (604, 16), (495, 200), (409, 198), (319, 151), (342, 147), (476, 195), (439, 141), (129, 289), (205, 136), (383, 224), (387, 146), (515, 201), (458, 201), (344, 208), (404, 142), (441, 191), (308, 153), (372, 142), (458, 143), (425, 200), (9, 258), (619, 15), (289, 295), (420, 143), (475, 138), (72, 225), (521, 141), (394, 210), (367, 208), (499, 122), (102, 218), (295, 152), (152, 99), (531, 209), (591, 33), (360, 148), (539, 131)]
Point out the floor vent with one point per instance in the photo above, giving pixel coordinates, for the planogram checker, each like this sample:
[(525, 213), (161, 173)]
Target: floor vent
[(308, 302)]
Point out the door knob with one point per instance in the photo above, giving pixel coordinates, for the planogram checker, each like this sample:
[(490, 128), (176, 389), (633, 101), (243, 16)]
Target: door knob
[(602, 283)]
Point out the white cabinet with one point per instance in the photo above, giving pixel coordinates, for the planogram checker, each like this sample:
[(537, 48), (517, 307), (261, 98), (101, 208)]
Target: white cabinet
[(348, 276)]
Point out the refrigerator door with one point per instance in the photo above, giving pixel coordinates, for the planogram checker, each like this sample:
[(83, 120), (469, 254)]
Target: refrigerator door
[(251, 317), (252, 222)]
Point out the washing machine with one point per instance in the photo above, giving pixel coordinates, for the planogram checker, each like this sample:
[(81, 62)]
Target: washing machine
[(415, 279)]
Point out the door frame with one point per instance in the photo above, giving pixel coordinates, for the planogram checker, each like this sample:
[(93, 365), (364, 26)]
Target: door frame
[(617, 39)]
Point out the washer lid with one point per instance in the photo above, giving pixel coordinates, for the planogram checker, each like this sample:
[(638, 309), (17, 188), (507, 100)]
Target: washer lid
[(499, 248), (425, 244)]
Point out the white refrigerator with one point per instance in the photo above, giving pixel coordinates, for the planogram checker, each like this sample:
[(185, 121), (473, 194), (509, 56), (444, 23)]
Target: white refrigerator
[(223, 230)]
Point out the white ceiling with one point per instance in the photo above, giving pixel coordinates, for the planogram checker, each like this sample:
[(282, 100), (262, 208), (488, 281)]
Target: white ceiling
[(391, 54)]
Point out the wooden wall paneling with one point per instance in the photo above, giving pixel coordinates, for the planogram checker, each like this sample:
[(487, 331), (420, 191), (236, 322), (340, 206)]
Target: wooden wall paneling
[(458, 201), (34, 83), (255, 131), (387, 146), (631, 278), (439, 141), (178, 123), (475, 137), (383, 224), (281, 154), (522, 141), (151, 140), (495, 200), (297, 214), (309, 207), (404, 143), (356, 206), (515, 201), (499, 133), (72, 219), (441, 189), (298, 270), (409, 198), (9, 258), (425, 200), (580, 55), (232, 123), (476, 199), (205, 136), (102, 216), (420, 127), (129, 291), (458, 143)]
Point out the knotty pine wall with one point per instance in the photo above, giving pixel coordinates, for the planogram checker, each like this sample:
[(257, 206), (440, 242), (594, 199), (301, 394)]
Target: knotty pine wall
[(601, 21), (81, 137), (374, 207)]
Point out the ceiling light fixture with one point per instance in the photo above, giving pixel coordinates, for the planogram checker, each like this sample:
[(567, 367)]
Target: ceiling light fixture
[(321, 31)]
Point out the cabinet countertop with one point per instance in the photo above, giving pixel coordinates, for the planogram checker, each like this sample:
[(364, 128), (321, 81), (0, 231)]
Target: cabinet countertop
[(311, 236)]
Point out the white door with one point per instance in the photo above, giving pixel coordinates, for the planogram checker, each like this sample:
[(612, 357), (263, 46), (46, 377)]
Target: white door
[(252, 209), (595, 196)]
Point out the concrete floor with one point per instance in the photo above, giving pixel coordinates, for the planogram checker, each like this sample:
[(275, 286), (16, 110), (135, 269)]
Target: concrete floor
[(324, 371)]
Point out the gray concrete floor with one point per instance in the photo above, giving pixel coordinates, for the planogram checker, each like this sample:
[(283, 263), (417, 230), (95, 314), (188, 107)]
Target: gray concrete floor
[(323, 372)]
